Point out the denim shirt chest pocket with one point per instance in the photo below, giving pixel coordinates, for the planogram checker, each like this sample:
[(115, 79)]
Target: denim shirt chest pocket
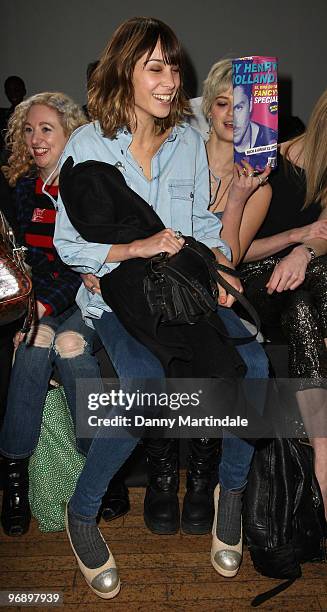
[(182, 198)]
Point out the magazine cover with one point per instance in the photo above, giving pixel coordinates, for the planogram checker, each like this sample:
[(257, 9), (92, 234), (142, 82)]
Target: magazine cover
[(255, 115)]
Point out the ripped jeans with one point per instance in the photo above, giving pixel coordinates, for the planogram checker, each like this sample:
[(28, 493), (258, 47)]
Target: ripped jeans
[(64, 341)]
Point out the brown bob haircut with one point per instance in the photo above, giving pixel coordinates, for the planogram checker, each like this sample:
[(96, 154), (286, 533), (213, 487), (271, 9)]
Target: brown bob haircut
[(111, 91)]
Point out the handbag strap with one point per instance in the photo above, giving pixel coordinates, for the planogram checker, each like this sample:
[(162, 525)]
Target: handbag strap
[(213, 267), (29, 315), (239, 297)]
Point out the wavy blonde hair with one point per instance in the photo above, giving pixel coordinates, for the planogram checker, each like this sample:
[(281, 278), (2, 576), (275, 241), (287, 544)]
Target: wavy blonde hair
[(314, 151), (20, 161), (219, 79), (111, 91)]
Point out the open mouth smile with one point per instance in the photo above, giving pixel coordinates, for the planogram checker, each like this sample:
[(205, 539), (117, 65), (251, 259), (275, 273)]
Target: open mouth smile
[(166, 98), (39, 151)]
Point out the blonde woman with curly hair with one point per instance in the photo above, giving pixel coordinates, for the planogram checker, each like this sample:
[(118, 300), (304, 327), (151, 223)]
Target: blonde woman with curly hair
[(37, 133), (21, 161)]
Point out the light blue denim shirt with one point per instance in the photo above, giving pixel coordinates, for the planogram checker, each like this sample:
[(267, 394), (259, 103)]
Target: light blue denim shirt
[(178, 191)]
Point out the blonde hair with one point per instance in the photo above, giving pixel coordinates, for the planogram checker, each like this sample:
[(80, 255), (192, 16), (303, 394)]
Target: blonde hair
[(314, 151), (218, 80), (111, 90), (20, 161)]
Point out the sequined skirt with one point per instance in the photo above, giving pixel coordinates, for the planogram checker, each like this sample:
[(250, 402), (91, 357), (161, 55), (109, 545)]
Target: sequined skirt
[(301, 314)]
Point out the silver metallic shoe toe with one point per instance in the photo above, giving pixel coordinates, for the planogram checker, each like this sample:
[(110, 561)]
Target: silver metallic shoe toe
[(229, 560), (107, 581)]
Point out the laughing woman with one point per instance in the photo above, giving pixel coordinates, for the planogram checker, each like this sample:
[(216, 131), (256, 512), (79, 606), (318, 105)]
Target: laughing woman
[(37, 133), (137, 102)]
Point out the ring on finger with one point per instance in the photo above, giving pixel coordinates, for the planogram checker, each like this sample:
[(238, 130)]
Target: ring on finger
[(244, 171), (251, 174), (260, 181), (178, 234)]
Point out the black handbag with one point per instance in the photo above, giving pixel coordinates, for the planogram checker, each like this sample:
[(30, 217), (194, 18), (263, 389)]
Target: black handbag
[(283, 512), (183, 288)]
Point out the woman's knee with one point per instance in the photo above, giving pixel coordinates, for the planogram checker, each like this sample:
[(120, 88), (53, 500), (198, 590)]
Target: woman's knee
[(300, 314), (70, 344), (41, 336)]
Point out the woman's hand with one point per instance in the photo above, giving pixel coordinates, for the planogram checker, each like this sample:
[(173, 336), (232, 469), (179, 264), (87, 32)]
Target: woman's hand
[(91, 282), (226, 299), (18, 339), (289, 273), (162, 242), (304, 234), (40, 310), (245, 183)]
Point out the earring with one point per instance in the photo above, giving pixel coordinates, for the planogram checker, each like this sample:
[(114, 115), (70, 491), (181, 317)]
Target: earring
[(209, 125)]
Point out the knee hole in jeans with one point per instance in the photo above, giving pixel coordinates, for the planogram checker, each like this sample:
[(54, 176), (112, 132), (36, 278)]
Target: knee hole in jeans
[(41, 336), (69, 344)]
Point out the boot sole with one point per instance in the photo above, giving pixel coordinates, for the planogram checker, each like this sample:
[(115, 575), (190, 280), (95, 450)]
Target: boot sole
[(161, 529), (16, 532), (109, 518), (192, 529), (17, 527)]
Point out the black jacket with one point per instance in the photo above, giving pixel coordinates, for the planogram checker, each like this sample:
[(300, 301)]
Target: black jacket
[(104, 209)]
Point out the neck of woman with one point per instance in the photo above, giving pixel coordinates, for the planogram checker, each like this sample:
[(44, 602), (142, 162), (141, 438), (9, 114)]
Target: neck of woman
[(144, 130), (144, 137), (54, 178), (220, 156)]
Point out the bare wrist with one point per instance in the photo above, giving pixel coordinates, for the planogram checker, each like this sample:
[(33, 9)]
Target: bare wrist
[(302, 248), (295, 235), (133, 249), (236, 200)]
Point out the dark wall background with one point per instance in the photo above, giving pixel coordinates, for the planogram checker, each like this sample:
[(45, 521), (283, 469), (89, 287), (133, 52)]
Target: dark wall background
[(49, 43)]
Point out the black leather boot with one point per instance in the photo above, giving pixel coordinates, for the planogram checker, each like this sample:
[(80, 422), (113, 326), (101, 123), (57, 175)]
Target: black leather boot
[(115, 501), (161, 505), (15, 513), (202, 477)]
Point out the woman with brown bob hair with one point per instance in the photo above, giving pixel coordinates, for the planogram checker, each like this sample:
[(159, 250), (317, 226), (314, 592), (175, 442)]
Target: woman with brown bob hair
[(137, 104), (111, 91)]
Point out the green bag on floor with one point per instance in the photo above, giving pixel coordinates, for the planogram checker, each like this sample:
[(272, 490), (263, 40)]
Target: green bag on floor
[(55, 465)]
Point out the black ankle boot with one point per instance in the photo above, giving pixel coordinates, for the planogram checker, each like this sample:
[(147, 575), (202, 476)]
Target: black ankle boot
[(161, 506), (115, 501), (15, 513), (202, 477)]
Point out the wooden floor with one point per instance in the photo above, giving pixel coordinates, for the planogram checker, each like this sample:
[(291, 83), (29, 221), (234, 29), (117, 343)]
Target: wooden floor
[(158, 573)]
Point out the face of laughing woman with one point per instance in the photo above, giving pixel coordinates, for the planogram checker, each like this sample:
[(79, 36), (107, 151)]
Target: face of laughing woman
[(222, 116), (44, 137), (155, 86)]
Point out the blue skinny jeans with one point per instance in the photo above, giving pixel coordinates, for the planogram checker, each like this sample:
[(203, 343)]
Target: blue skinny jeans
[(30, 379), (133, 360)]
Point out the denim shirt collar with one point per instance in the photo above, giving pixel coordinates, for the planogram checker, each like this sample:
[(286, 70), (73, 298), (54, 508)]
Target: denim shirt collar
[(124, 136)]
